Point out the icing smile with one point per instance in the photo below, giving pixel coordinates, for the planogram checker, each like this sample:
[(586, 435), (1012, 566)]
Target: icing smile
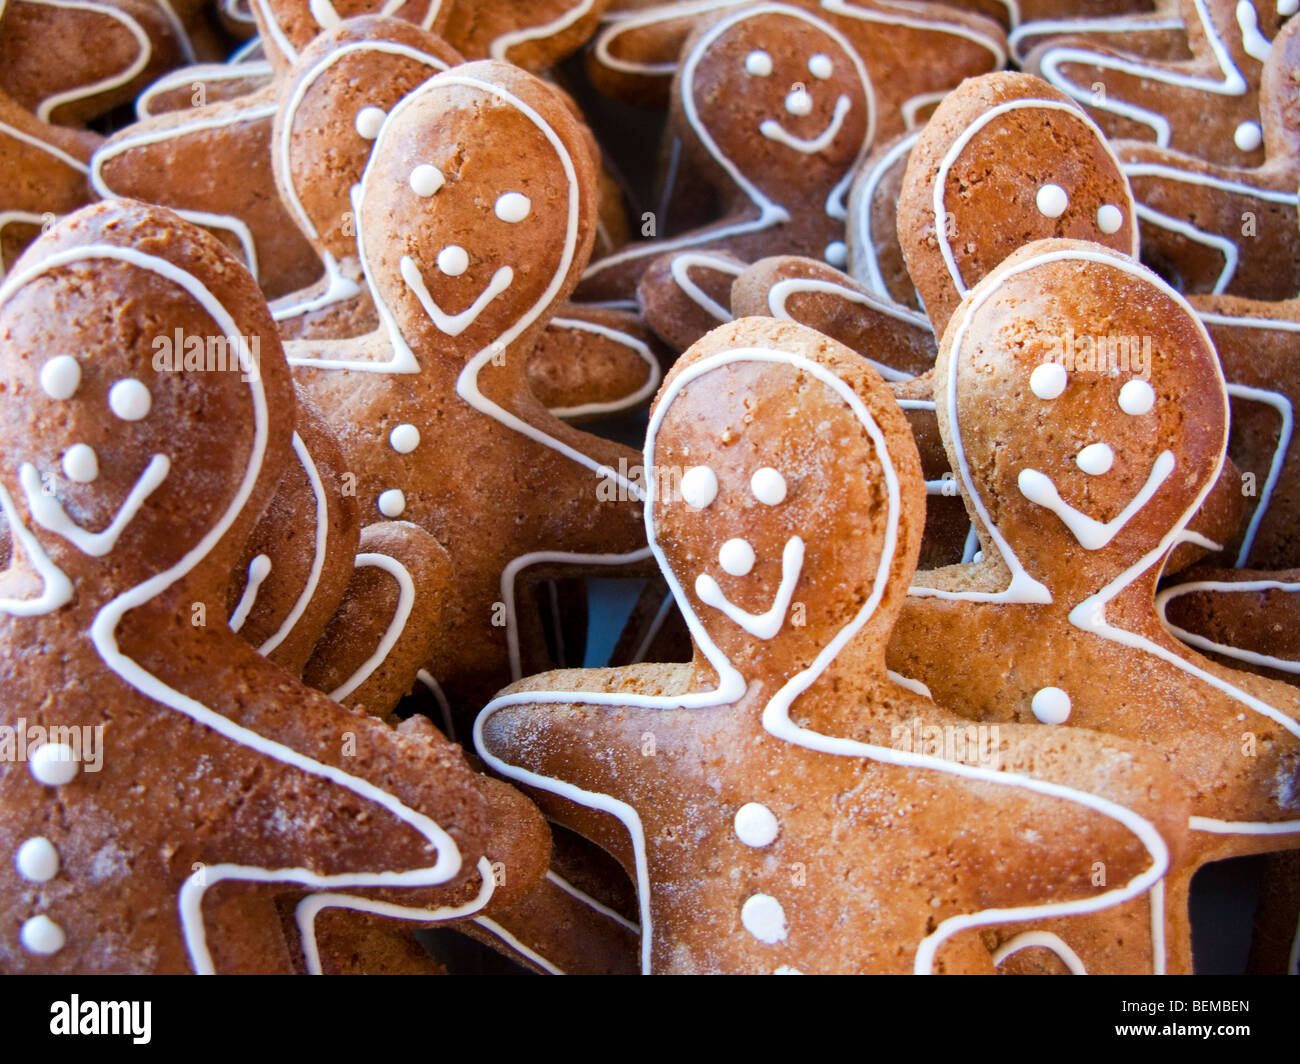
[(48, 512), (454, 324), (759, 625), (773, 130)]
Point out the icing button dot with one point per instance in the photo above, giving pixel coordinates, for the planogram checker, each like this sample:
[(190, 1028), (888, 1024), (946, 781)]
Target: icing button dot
[(60, 377), (80, 463), (1109, 218), (1248, 136), (130, 400), (764, 918), (799, 103), (404, 439), (1051, 705), (1048, 381), (699, 486), (736, 557), (42, 935), (1288, 7), (758, 63), (1137, 397), (836, 253), (426, 179), (37, 860), (513, 206), (1096, 459), (768, 486), (820, 66), (756, 825), (785, 969), (53, 764), (1052, 201), (369, 119), (392, 503), (453, 260)]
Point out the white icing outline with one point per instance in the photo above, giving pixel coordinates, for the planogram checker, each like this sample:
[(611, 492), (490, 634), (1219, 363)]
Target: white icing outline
[(258, 570), (642, 349), (776, 715), (338, 289), (196, 73), (103, 634), (144, 48), (591, 902), (864, 264), (510, 940), (402, 614), (1044, 940), (983, 119), (679, 268), (1226, 587), (41, 145), (501, 45), (1053, 27)]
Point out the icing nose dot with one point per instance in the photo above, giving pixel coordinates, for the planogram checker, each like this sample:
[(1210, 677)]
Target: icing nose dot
[(130, 400), (759, 64), (1048, 380), (368, 121), (80, 463), (513, 206), (768, 486), (53, 764), (1109, 218), (756, 825), (392, 502), (1052, 201), (799, 103), (1096, 459), (42, 935), (820, 66), (736, 557), (1051, 705), (699, 486), (426, 179), (60, 377), (453, 260), (404, 439), (1137, 397)]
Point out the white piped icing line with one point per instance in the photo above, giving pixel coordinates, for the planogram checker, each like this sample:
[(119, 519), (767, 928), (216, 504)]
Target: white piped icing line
[(42, 936), (679, 268), (103, 633), (768, 486), (800, 103), (454, 324), (338, 287), (1051, 705), (865, 264), (1051, 201), (959, 145), (60, 377), (402, 614), (1091, 533), (143, 53), (776, 715), (764, 918), (699, 487), (767, 624), (1041, 940), (53, 764), (500, 46), (1227, 587), (654, 374), (1253, 43), (258, 570), (48, 512), (756, 825), (37, 860)]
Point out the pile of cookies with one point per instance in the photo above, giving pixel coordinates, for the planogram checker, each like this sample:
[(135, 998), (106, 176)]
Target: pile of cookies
[(890, 402)]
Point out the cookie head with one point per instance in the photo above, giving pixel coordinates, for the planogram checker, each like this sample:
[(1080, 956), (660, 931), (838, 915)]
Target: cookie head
[(477, 209), (785, 494), (1083, 405), (337, 96), (778, 95), (137, 419), (1005, 160)]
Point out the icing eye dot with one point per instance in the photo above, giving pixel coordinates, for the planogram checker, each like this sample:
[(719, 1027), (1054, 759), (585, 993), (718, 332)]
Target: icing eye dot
[(820, 66), (60, 377), (1048, 380), (53, 764), (453, 260), (836, 253), (758, 63), (392, 502), (1288, 7), (513, 207), (768, 486), (799, 103), (130, 400), (1248, 136), (756, 825), (736, 557), (80, 463), (1052, 201), (1137, 397), (764, 918), (426, 179), (37, 860), (699, 486), (1109, 218), (1051, 705), (1095, 459), (369, 119), (42, 935), (404, 439)]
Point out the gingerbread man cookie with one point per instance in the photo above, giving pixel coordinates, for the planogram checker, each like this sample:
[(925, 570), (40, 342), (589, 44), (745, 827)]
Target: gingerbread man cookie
[(1098, 471), (172, 469), (768, 782)]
